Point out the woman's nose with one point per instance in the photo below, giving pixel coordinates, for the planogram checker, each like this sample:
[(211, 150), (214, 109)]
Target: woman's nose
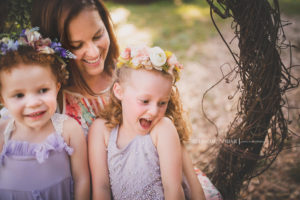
[(92, 50)]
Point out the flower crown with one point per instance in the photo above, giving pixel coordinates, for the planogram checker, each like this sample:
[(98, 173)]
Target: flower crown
[(31, 37), (150, 58)]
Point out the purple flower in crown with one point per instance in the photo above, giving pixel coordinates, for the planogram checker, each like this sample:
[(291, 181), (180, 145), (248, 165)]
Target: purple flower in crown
[(7, 44), (31, 37), (61, 51)]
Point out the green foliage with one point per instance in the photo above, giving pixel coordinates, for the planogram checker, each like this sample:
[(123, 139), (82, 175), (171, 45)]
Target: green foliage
[(173, 27), (15, 15)]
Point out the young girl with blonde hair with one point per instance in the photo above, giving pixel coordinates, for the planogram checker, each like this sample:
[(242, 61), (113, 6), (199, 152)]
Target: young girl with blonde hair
[(135, 148)]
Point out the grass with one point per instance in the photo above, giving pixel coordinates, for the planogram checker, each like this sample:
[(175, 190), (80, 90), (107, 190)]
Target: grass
[(179, 27), (172, 27), (290, 7)]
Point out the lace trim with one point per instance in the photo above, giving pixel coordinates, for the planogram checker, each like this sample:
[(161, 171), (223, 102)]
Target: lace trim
[(41, 151), (58, 122)]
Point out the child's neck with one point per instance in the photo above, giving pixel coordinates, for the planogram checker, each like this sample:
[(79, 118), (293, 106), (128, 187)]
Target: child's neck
[(125, 136), (23, 132)]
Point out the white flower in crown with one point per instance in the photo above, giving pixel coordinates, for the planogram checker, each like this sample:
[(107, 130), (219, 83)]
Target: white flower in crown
[(158, 57), (32, 36), (46, 50)]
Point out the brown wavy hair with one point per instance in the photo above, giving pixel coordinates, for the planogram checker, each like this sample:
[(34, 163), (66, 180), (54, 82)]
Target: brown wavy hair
[(51, 15), (29, 56), (113, 111)]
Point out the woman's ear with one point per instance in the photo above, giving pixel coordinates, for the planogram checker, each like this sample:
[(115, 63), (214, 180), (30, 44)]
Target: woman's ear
[(118, 90)]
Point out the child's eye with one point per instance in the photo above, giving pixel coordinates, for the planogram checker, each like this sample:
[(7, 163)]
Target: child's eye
[(43, 90), (144, 101), (19, 95), (162, 103)]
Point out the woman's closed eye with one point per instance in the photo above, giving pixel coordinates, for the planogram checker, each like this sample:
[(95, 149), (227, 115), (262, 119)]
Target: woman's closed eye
[(97, 37), (76, 47)]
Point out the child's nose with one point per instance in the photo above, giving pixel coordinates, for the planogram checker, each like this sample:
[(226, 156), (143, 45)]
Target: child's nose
[(153, 110), (33, 101)]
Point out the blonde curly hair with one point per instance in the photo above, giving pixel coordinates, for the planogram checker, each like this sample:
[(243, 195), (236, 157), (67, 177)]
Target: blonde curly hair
[(113, 111)]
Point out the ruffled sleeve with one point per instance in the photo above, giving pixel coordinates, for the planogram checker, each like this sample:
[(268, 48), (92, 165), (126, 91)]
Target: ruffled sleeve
[(39, 151)]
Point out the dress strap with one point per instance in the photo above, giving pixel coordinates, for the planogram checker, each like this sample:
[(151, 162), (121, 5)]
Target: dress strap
[(8, 129), (113, 137), (58, 122)]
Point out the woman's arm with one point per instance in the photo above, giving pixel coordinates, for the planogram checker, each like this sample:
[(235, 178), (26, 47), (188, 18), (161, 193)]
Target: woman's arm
[(189, 172), (167, 142), (97, 152), (79, 161)]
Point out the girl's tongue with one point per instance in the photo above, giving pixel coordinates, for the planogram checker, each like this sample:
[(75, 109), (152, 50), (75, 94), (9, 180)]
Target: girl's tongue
[(145, 123)]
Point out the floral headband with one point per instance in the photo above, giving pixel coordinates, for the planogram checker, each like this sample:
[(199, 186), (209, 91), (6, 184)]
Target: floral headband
[(31, 37), (150, 58)]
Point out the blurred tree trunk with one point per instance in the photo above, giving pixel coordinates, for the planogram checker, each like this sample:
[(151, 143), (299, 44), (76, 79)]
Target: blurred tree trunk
[(260, 112)]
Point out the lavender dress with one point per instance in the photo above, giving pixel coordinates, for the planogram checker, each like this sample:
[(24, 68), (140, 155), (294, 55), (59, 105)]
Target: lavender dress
[(36, 171), (134, 171)]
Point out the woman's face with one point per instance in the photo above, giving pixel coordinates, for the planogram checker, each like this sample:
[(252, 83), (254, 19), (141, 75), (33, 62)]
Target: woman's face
[(89, 41)]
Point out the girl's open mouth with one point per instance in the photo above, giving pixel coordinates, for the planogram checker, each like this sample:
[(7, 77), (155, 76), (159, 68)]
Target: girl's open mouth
[(145, 123)]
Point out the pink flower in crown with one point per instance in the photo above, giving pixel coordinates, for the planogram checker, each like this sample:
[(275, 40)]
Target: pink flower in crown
[(173, 62), (139, 51), (140, 56), (126, 54), (46, 50), (43, 46), (146, 62)]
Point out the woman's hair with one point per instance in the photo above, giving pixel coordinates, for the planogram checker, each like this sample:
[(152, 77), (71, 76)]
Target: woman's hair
[(113, 111), (50, 15), (27, 55)]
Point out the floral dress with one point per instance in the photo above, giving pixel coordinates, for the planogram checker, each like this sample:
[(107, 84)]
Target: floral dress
[(84, 110)]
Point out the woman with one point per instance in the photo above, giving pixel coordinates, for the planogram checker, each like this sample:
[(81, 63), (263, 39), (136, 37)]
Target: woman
[(85, 27)]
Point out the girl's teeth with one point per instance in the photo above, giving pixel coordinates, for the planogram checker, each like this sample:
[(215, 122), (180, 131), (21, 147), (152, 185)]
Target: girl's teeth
[(35, 114)]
